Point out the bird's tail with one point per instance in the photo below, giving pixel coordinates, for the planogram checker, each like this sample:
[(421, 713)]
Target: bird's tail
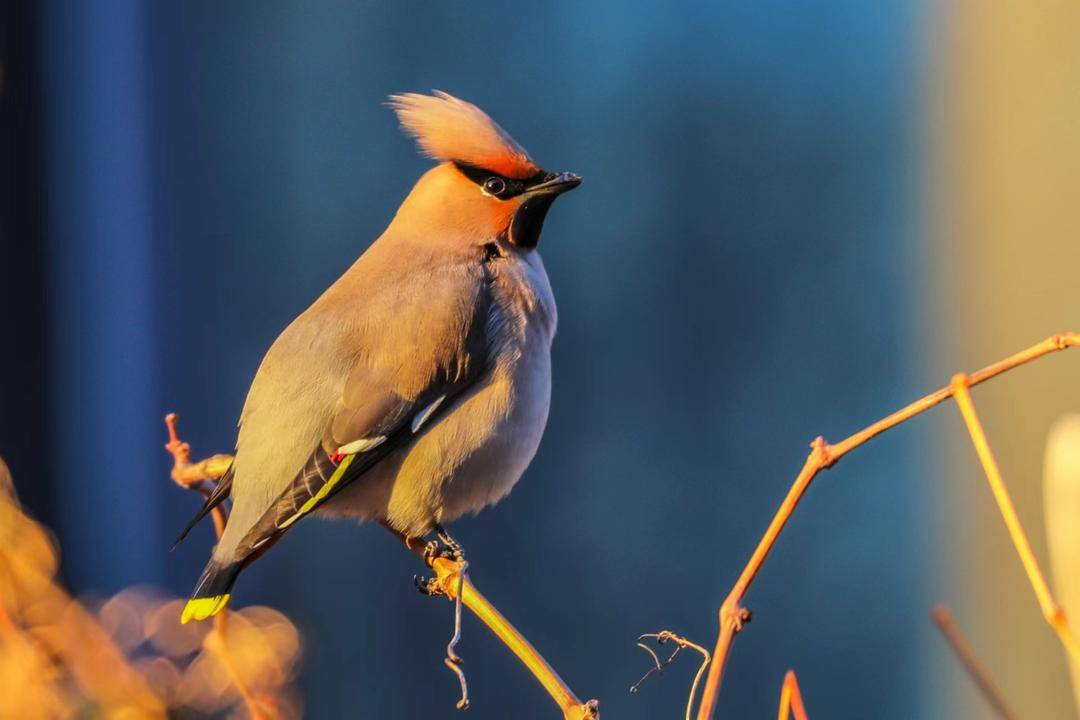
[(212, 593)]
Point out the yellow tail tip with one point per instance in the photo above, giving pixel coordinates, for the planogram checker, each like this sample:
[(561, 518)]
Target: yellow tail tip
[(202, 608)]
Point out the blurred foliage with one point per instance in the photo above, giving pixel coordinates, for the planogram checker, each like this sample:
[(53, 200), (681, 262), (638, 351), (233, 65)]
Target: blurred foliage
[(127, 656), (1061, 490)]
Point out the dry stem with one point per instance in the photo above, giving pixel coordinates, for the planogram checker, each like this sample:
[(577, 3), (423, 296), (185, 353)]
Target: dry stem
[(681, 644), (450, 580), (1053, 613), (791, 703), (200, 476), (975, 669), (823, 456)]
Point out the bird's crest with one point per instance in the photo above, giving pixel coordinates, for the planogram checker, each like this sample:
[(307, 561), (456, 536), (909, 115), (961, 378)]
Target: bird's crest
[(449, 129)]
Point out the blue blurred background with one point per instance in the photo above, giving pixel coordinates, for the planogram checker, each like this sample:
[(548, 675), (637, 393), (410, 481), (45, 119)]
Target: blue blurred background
[(734, 277)]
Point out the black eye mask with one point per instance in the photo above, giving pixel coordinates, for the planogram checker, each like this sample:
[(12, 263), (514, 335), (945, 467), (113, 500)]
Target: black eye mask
[(497, 185), (528, 221)]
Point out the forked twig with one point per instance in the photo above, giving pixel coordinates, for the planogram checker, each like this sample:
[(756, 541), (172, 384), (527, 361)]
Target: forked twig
[(823, 456), (657, 665), (1051, 611), (975, 669), (185, 473), (201, 476), (681, 644), (791, 702)]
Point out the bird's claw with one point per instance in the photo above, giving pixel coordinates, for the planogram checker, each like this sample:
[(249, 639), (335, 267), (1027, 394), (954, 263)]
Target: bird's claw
[(456, 553), (432, 550), (453, 549), (444, 547), (427, 586)]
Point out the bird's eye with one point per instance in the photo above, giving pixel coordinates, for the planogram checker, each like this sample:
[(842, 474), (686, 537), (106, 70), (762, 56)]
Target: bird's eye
[(494, 186)]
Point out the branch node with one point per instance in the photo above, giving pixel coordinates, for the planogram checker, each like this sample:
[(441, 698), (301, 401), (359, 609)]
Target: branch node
[(586, 711), (1055, 616), (199, 476), (958, 381), (822, 453), (735, 615), (1065, 340)]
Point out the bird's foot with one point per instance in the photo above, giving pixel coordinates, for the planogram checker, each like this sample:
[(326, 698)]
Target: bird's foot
[(427, 586), (444, 548), (453, 548), (435, 549)]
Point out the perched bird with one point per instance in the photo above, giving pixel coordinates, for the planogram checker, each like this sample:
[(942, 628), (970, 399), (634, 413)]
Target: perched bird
[(416, 388)]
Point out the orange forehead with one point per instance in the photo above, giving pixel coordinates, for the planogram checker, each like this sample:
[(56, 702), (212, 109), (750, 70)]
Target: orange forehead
[(450, 129)]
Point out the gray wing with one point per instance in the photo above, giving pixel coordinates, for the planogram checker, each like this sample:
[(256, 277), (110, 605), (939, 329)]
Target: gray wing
[(412, 366)]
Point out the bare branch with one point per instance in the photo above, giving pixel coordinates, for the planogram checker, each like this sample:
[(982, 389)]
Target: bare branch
[(823, 456), (1051, 611), (964, 653), (185, 473), (791, 702), (451, 582)]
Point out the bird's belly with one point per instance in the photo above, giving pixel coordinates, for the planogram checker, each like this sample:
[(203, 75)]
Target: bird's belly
[(469, 458), (486, 475)]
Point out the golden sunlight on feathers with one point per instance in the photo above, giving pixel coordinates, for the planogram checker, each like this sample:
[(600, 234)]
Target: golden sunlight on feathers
[(450, 129)]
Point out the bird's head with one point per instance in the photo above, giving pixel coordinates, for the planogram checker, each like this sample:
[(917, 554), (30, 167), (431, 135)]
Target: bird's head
[(486, 186)]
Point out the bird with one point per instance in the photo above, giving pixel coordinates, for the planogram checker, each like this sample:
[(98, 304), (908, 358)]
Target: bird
[(416, 388)]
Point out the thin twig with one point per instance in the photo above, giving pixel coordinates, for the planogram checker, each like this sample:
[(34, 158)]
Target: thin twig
[(657, 665), (791, 702), (200, 477), (975, 669), (1051, 611), (681, 644), (187, 474), (452, 659), (733, 615), (452, 583)]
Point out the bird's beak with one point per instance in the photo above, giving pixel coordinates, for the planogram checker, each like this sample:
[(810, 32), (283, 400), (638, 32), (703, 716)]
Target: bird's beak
[(529, 218), (555, 184)]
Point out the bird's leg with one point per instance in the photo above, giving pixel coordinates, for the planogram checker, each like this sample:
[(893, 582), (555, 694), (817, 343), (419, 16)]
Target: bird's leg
[(427, 585), (444, 546), (440, 585), (456, 552)]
